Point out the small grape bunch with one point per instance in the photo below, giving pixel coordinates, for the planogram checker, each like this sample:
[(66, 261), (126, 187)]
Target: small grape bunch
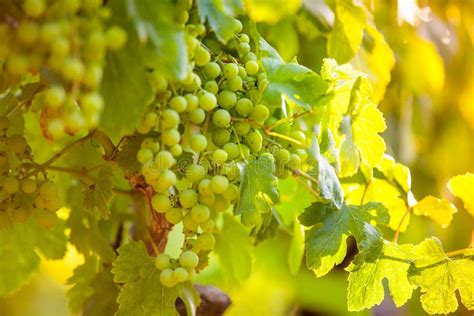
[(176, 271)]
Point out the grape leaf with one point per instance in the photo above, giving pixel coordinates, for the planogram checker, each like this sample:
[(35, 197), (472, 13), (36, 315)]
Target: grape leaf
[(104, 299), (19, 248), (127, 156), (439, 276), (294, 198), (143, 293), (296, 252), (97, 197), (395, 171), (264, 11), (235, 261), (462, 186), (371, 266), (257, 190), (349, 155), (219, 14), (80, 281), (326, 246), (439, 210)]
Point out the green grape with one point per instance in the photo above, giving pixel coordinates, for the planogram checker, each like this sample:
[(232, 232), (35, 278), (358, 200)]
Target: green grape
[(144, 155), (189, 224), (207, 101), (200, 213), (212, 70), (231, 71), (282, 172), (195, 173), (16, 65), (219, 184), (151, 144), (46, 219), (92, 103), (262, 85), (219, 156), (211, 86), (232, 150), (182, 16), (243, 48), (55, 128), (244, 38), (178, 103), (151, 119), (204, 187), (92, 76), (207, 200), (254, 94), (234, 84), (188, 198), (221, 118), (242, 72), (165, 180), (251, 66), (171, 137), (231, 193), (28, 186), (189, 259), (161, 203), (192, 102), (180, 274), (55, 96), (205, 241), (245, 151), (220, 137), (174, 215), (254, 141), (158, 81), (170, 119), (198, 142), (220, 204), (11, 185), (162, 261), (260, 113), (176, 150), (115, 38), (237, 26), (72, 69), (194, 85), (20, 215), (17, 144), (250, 56), (227, 99), (231, 170), (197, 116), (295, 161), (242, 128), (166, 278), (4, 123), (244, 106), (201, 56), (163, 160), (52, 204), (34, 8), (282, 156), (208, 226)]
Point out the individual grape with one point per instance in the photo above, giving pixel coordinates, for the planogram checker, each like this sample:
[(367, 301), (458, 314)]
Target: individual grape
[(176, 150), (166, 278), (115, 38), (16, 65), (231, 71), (72, 69), (231, 170), (260, 113), (254, 141), (162, 261), (151, 119), (207, 226), (245, 151), (17, 144), (28, 186), (178, 103), (244, 38), (174, 215), (52, 204), (207, 200), (243, 48), (92, 76), (282, 156), (165, 180), (235, 84), (221, 118), (92, 103), (46, 219), (180, 274), (250, 56), (195, 173), (194, 85), (189, 259), (232, 150), (192, 102), (244, 106), (158, 81), (231, 193), (200, 213), (251, 66), (254, 94), (207, 101), (171, 137), (189, 224), (20, 215), (219, 156), (212, 70), (170, 119), (219, 184), (150, 143), (161, 203), (197, 116), (205, 241), (34, 8), (163, 160), (220, 137), (242, 128), (198, 142), (4, 123), (201, 56), (237, 26), (11, 185), (188, 198), (204, 187), (211, 86), (220, 204), (55, 96), (227, 99), (144, 155), (295, 161)]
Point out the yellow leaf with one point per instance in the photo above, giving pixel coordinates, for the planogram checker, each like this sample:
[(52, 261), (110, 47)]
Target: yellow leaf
[(271, 11), (439, 210), (462, 186)]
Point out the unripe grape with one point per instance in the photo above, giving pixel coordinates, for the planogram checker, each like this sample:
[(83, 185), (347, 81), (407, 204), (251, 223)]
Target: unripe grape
[(221, 118), (178, 103), (232, 150), (211, 86), (231, 193), (180, 274), (72, 69), (194, 85), (189, 259), (207, 101), (192, 102), (260, 113), (212, 70), (16, 65), (220, 137), (242, 72), (34, 8), (243, 48), (254, 141), (282, 156), (250, 56), (201, 56), (166, 278), (176, 150), (60, 48), (244, 38), (171, 137), (162, 261), (166, 179), (208, 226), (219, 156), (46, 219), (200, 213), (231, 170), (189, 224), (220, 204), (17, 144), (144, 155), (158, 81), (195, 173), (170, 119), (28, 186), (244, 106), (207, 200), (92, 75), (188, 198), (237, 26), (205, 241), (251, 67), (115, 38), (231, 71), (20, 215), (234, 84), (242, 128), (161, 203), (11, 185), (245, 151), (150, 143), (227, 99), (163, 160), (151, 119), (198, 142), (27, 33), (197, 116), (55, 96), (219, 184), (204, 187), (174, 215)]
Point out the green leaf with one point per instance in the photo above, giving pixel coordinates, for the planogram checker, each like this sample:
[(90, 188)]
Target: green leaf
[(97, 197), (346, 36), (439, 276), (127, 156), (264, 11), (219, 14), (296, 252), (20, 245), (103, 301), (294, 198), (80, 280), (397, 172), (143, 293), (439, 210), (368, 270), (257, 190), (462, 186), (349, 155), (235, 261)]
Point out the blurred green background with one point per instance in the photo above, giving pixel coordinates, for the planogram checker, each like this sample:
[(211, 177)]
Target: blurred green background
[(424, 80)]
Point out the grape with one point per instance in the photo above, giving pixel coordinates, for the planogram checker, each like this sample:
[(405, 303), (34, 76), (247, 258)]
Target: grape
[(207, 101), (166, 278), (16, 65), (180, 274), (163, 160), (251, 67), (176, 150), (192, 102), (219, 156), (174, 215), (260, 113), (144, 155), (92, 76), (227, 99), (244, 106), (204, 187), (231, 170), (201, 56), (189, 224), (245, 151), (150, 143), (212, 87), (92, 103), (254, 141), (242, 128), (212, 70), (194, 85), (244, 38), (197, 116), (243, 48), (17, 144), (231, 193), (282, 156), (170, 119), (200, 213), (116, 38), (158, 81), (242, 72), (46, 219), (55, 96), (72, 69), (171, 137), (34, 8), (234, 84), (188, 198), (165, 180), (232, 150), (295, 161), (195, 173), (231, 71), (207, 200), (4, 123), (219, 184), (11, 185), (178, 103), (161, 203), (220, 137), (151, 119), (28, 186), (162, 261), (237, 26), (207, 226), (220, 204), (221, 118), (189, 259), (198, 142), (205, 241)]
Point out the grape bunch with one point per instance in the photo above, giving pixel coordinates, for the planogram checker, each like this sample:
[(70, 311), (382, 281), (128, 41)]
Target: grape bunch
[(64, 44), (198, 134), (22, 194)]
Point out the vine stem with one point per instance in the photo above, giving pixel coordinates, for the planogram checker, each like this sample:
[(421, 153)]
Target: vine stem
[(458, 252), (305, 175), (286, 119), (287, 138), (397, 232)]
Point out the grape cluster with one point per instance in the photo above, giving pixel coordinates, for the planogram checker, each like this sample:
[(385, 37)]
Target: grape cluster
[(65, 42), (21, 194)]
